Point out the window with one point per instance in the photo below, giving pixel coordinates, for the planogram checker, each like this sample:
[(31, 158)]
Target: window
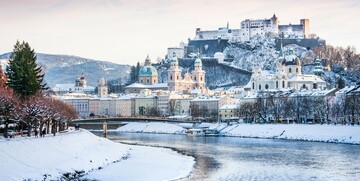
[(170, 77), (283, 84), (315, 86), (277, 84), (259, 87), (200, 78), (147, 81), (253, 87), (195, 78), (289, 70), (177, 77), (266, 86), (297, 70)]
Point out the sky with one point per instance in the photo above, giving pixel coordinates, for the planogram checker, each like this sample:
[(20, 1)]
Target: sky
[(125, 31)]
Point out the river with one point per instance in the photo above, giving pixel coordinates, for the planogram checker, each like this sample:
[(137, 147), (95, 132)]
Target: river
[(232, 158)]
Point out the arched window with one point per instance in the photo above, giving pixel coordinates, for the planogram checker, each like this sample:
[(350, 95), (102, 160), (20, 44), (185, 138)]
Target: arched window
[(289, 70), (266, 86), (277, 84), (141, 81), (260, 87), (195, 78), (283, 84), (147, 81), (170, 77), (297, 70), (253, 85), (177, 77), (200, 78)]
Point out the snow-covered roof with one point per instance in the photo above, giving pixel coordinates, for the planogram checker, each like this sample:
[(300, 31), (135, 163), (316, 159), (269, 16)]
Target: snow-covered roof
[(143, 86), (346, 89), (207, 98), (306, 78), (127, 96), (230, 106), (64, 87)]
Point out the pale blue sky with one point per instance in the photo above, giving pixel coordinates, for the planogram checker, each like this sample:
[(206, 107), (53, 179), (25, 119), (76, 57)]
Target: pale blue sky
[(125, 31)]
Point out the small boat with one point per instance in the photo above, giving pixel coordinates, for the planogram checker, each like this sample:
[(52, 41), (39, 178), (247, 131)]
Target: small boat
[(195, 132)]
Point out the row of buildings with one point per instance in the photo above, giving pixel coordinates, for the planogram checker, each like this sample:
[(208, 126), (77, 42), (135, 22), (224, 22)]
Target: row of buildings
[(185, 96)]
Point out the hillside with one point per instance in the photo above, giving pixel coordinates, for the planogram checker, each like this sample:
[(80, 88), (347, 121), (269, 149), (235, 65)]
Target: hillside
[(64, 69)]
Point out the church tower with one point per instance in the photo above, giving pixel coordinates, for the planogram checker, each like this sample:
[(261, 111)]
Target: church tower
[(80, 83), (174, 74), (102, 88), (198, 74)]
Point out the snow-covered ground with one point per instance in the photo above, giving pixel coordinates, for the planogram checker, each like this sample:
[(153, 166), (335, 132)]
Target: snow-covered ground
[(152, 127), (323, 133), (25, 158)]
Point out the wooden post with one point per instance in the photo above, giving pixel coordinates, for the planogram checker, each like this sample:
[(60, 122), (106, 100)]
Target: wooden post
[(105, 129)]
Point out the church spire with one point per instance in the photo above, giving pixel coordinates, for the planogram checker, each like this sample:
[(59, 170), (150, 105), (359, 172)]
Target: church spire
[(281, 53)]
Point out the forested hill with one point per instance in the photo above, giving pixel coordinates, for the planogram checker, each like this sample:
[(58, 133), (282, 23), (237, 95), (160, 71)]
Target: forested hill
[(64, 69)]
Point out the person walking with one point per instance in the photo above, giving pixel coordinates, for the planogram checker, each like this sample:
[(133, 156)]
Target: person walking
[(43, 132), (36, 133)]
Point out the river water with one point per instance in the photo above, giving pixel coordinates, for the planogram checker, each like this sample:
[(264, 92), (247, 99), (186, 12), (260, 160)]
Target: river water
[(232, 158)]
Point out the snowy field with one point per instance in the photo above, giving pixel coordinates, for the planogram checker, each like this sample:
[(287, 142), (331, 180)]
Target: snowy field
[(52, 157), (323, 133)]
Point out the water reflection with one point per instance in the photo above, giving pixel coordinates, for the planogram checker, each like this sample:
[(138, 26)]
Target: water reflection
[(227, 158)]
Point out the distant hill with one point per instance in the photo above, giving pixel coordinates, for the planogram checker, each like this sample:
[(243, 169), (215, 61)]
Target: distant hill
[(64, 69)]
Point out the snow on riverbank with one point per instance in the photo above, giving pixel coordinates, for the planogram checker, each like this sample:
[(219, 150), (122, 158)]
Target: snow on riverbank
[(323, 133), (152, 127), (30, 158)]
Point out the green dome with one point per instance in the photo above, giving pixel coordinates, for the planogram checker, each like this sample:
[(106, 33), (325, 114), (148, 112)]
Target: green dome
[(148, 71), (198, 62)]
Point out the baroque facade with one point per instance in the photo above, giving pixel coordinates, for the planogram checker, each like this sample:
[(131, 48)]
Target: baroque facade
[(195, 80), (288, 75)]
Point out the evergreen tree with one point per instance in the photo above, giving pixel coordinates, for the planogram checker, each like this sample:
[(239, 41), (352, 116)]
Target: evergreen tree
[(24, 75), (340, 82), (132, 75), (138, 67)]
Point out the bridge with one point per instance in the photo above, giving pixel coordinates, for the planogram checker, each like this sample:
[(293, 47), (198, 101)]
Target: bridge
[(113, 123)]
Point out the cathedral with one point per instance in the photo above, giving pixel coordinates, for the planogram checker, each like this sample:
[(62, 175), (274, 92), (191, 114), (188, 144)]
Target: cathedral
[(148, 74), (195, 80), (148, 78), (288, 75)]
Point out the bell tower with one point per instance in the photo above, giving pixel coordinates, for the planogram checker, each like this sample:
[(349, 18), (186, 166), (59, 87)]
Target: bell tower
[(198, 74), (174, 74)]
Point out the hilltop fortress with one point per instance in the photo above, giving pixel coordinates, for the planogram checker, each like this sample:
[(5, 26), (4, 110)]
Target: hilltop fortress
[(208, 42)]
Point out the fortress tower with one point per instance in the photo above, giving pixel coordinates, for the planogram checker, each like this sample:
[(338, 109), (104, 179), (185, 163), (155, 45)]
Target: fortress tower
[(306, 25)]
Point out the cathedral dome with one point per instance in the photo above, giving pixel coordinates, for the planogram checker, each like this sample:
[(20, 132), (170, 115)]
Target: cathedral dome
[(198, 62), (148, 70)]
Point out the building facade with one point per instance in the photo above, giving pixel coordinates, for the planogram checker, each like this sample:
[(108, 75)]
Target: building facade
[(195, 80), (288, 75)]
